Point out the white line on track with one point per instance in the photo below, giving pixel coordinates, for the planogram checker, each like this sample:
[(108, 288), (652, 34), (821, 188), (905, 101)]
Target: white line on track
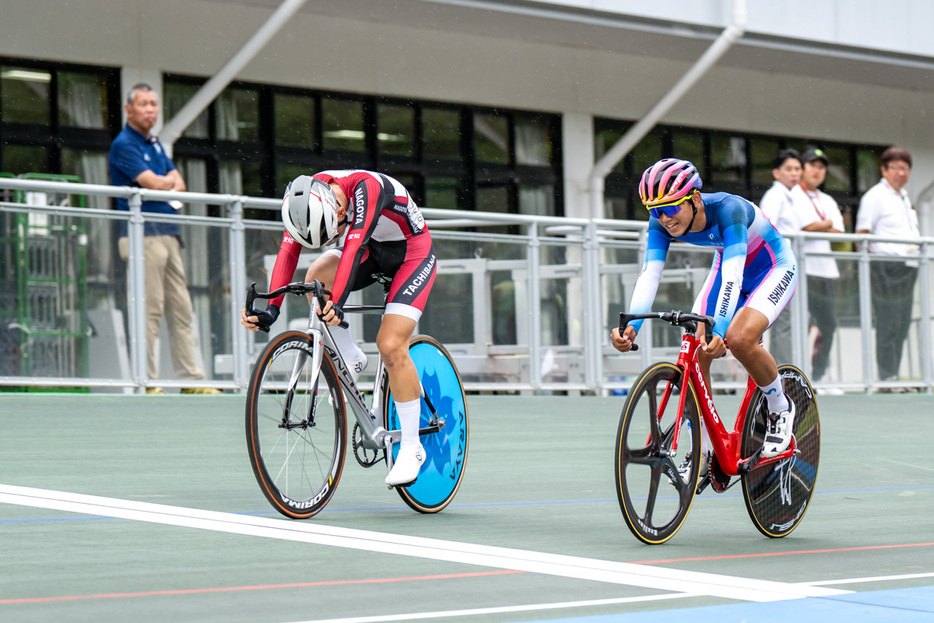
[(878, 578), (645, 576), (500, 610)]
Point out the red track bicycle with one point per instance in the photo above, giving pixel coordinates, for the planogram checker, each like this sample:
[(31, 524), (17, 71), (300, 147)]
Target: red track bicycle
[(659, 442)]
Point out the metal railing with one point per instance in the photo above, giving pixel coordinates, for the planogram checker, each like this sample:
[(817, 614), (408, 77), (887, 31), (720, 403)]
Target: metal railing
[(539, 296)]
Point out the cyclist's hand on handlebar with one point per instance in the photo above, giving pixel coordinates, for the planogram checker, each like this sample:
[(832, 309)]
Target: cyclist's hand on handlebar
[(331, 314), (623, 343), (716, 348), (262, 319)]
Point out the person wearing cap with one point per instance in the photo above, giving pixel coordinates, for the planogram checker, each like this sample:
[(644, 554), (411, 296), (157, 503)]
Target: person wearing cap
[(886, 210), (778, 206), (817, 212)]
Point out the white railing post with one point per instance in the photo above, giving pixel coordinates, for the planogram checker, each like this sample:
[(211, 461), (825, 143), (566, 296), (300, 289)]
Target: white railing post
[(924, 277), (592, 309), (534, 307), (238, 335), (136, 292)]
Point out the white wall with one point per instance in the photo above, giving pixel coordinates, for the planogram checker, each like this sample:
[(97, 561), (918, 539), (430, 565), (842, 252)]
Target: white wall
[(198, 36)]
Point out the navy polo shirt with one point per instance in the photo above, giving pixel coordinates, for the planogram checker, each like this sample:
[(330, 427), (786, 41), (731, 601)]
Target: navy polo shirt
[(130, 154)]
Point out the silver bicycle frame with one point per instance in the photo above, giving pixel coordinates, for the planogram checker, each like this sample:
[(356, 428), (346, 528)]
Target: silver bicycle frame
[(374, 434)]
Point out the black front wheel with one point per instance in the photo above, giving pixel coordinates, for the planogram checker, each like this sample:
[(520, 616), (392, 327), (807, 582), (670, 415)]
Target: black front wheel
[(655, 481), (295, 426)]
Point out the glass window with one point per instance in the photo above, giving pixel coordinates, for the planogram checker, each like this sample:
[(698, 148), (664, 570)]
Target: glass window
[(240, 178), (176, 96), (442, 192), (448, 314), (24, 95), (395, 130), (237, 114), (90, 166), (619, 208), (646, 153), (605, 138), (763, 153), (867, 169), (82, 100), (727, 159), (441, 133), (19, 159), (491, 138), (343, 125), (295, 120), (285, 173), (533, 140), (688, 146), (838, 171), (492, 198), (537, 200)]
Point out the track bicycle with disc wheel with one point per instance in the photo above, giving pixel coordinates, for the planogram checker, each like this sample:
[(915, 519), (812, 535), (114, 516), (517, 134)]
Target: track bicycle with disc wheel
[(296, 421), (659, 444)]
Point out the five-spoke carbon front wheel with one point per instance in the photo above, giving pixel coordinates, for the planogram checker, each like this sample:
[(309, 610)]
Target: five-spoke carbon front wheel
[(653, 496)]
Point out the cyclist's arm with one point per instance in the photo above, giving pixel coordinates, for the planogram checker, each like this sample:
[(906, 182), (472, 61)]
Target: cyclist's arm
[(643, 293), (283, 272), (735, 249)]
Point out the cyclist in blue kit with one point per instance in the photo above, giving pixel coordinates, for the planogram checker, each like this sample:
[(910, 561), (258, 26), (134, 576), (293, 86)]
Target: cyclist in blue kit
[(753, 276)]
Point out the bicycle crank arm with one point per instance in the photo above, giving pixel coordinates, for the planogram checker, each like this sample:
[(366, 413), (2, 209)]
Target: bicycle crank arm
[(435, 425), (745, 466), (756, 460)]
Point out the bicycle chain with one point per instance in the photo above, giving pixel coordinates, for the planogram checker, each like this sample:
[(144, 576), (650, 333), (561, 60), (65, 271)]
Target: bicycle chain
[(359, 449)]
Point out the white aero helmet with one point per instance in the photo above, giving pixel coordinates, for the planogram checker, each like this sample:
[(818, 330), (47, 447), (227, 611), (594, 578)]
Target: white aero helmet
[(309, 212)]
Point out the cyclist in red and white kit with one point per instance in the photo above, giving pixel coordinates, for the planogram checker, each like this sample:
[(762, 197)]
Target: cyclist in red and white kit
[(383, 233)]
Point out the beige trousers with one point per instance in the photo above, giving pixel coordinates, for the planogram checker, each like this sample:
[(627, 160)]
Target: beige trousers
[(167, 295)]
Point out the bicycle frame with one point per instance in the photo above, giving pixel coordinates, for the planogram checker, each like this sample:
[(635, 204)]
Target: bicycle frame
[(726, 444), (374, 435)]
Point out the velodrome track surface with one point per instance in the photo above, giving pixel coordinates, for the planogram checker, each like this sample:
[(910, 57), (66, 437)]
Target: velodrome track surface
[(144, 508)]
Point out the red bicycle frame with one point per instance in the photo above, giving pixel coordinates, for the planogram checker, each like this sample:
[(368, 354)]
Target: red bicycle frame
[(727, 446)]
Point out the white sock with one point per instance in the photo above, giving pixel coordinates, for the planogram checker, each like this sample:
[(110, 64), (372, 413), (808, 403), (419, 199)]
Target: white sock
[(346, 344), (409, 415), (775, 394)]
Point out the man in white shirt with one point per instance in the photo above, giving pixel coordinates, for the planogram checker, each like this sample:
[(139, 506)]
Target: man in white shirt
[(816, 211), (886, 210), (778, 206)]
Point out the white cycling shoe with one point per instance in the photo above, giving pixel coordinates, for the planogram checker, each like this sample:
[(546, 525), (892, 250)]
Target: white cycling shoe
[(406, 466), (778, 430)]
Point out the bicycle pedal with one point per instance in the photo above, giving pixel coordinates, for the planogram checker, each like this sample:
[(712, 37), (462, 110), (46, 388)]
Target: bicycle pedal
[(703, 483)]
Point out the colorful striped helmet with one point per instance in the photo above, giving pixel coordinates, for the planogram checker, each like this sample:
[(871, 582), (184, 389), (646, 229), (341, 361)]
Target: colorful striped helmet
[(668, 182)]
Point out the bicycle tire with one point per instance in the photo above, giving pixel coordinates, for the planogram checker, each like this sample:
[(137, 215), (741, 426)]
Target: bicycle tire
[(778, 495), (297, 462), (446, 449), (644, 465)]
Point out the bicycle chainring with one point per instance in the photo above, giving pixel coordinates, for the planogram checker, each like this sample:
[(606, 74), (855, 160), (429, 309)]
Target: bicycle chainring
[(719, 481), (364, 456)]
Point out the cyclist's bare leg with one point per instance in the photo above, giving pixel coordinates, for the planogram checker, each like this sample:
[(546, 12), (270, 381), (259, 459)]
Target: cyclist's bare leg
[(744, 336), (395, 333)]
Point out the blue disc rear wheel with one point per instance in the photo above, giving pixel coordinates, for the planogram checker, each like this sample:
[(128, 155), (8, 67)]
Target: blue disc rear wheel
[(446, 450)]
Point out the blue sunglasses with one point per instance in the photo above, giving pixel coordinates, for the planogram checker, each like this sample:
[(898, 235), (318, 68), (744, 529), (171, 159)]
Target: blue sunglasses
[(670, 211)]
